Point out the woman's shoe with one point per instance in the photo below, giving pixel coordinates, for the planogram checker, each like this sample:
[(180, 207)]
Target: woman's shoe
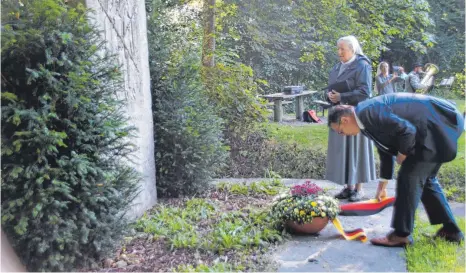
[(344, 194), (356, 196)]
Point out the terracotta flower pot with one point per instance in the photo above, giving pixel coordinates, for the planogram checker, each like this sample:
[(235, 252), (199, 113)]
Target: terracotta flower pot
[(317, 224)]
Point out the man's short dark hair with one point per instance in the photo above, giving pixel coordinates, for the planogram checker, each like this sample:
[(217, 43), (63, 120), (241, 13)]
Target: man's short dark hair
[(336, 112), (418, 65)]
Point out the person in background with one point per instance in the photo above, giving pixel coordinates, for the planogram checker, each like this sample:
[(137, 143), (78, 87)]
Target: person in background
[(350, 159), (422, 132), (400, 85), (413, 81), (384, 82)]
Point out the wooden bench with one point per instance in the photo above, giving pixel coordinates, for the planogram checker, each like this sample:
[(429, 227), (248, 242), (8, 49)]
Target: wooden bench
[(272, 105), (283, 102), (322, 104), (447, 82), (279, 98)]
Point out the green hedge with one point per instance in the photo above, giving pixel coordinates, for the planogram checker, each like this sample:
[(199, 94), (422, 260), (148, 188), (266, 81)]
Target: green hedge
[(66, 184), (189, 147), (300, 152), (258, 155)]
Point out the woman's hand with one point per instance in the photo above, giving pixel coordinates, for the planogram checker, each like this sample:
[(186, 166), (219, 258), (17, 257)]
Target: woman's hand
[(334, 96), (394, 76)]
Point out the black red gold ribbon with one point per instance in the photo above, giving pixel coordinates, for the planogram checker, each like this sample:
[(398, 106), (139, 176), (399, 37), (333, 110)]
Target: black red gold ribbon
[(363, 208)]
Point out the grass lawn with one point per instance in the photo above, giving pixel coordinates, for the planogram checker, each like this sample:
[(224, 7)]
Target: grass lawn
[(429, 255), (451, 174)]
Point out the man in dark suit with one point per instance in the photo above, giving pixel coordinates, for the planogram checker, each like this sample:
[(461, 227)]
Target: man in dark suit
[(422, 133)]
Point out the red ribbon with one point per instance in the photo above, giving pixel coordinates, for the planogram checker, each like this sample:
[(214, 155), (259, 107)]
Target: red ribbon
[(363, 208)]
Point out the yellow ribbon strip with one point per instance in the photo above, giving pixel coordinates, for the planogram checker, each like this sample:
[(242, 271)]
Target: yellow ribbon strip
[(350, 235)]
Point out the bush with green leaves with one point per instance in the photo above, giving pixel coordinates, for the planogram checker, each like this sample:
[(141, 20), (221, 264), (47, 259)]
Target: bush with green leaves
[(261, 155), (459, 84), (189, 148), (66, 182), (233, 91)]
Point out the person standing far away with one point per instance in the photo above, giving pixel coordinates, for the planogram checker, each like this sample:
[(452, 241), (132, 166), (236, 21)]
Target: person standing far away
[(400, 85), (350, 159), (413, 81), (385, 82)]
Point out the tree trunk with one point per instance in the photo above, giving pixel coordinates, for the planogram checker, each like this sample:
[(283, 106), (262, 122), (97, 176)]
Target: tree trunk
[(208, 42)]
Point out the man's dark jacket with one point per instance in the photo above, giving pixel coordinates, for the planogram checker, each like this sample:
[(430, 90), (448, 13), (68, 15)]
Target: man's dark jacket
[(420, 126)]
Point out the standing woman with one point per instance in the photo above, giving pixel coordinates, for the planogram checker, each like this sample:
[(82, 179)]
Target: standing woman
[(384, 82), (350, 159)]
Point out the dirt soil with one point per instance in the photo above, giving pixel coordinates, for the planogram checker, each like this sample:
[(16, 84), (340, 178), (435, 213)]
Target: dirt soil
[(144, 253)]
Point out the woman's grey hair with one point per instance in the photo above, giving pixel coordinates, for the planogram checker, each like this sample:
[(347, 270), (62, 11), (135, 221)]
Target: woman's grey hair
[(337, 112), (353, 43)]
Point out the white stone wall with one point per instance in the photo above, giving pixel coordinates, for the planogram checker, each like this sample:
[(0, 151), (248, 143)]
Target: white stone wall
[(124, 27)]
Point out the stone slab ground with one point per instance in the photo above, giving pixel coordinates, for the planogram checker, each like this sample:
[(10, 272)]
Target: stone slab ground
[(330, 252)]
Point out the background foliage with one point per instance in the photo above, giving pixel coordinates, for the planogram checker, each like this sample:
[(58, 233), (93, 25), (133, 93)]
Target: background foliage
[(264, 45), (294, 42), (66, 184), (189, 148)]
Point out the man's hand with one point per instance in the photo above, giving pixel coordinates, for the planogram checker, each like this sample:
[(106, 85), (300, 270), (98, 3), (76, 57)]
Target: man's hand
[(334, 96), (381, 190), (400, 158), (380, 194)]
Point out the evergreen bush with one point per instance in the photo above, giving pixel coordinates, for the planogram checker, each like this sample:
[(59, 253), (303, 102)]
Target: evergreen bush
[(189, 149), (66, 184)]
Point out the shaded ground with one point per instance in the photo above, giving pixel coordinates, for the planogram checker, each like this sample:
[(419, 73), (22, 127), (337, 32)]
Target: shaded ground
[(149, 253), (326, 252)]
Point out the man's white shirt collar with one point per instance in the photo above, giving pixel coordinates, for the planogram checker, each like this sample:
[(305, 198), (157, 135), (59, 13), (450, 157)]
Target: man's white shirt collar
[(360, 125)]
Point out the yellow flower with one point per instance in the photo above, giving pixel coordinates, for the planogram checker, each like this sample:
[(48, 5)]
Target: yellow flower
[(313, 204), (323, 214), (313, 213), (302, 212)]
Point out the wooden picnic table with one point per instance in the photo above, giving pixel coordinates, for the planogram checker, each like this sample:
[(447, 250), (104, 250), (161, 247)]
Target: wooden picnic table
[(278, 99)]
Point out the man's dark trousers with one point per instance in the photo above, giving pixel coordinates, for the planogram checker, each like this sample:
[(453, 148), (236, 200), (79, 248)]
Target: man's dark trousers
[(418, 181)]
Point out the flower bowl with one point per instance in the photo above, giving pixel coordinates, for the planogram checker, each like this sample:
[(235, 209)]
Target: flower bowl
[(306, 208), (317, 224)]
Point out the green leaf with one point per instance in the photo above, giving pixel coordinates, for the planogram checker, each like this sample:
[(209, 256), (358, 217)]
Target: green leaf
[(9, 96)]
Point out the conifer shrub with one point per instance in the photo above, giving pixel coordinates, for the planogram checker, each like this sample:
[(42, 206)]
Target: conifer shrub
[(189, 140), (189, 148), (66, 182)]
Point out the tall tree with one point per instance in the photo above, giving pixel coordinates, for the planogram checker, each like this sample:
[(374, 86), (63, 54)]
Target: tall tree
[(449, 30), (293, 42), (208, 41)]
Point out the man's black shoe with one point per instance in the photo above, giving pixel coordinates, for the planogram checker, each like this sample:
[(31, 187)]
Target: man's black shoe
[(455, 237)]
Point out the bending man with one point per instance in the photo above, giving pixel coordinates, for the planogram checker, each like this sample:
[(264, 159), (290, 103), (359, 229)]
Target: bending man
[(422, 132)]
